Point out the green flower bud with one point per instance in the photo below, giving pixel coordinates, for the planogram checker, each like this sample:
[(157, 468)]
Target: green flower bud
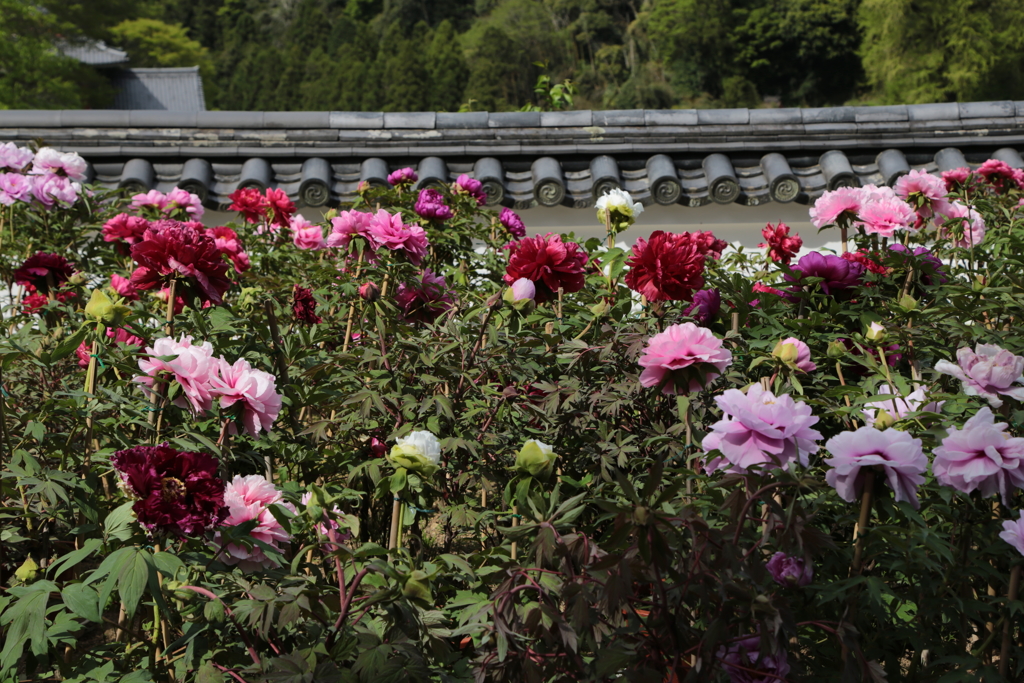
[(77, 279), (28, 571), (883, 420), (875, 333), (787, 353), (102, 309), (417, 586), (837, 350), (536, 459), (908, 303)]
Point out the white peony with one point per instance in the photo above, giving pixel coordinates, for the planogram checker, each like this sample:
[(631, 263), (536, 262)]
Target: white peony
[(620, 201)]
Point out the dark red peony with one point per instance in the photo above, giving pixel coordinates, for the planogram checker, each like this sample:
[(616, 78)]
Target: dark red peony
[(668, 267), (43, 270), (178, 492), (304, 306), (33, 300), (171, 249), (280, 207), (864, 258), (549, 263), (709, 244), (250, 203), (425, 300), (781, 246), (125, 228)]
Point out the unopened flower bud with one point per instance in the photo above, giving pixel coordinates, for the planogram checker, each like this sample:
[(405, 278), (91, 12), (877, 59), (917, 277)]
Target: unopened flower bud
[(536, 459), (875, 333), (521, 294), (908, 303), (883, 420), (28, 571), (369, 291), (600, 308), (836, 350), (102, 309), (787, 353), (77, 279)]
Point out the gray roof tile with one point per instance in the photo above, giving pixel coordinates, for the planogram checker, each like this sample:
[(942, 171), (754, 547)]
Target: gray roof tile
[(580, 118), (467, 119), (788, 115), (670, 117), (896, 112), (356, 119), (178, 89), (940, 111), (93, 53), (718, 117), (621, 117), (513, 119), (416, 119), (976, 110), (297, 119)]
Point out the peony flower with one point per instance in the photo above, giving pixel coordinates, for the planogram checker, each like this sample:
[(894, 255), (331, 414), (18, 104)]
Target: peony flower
[(14, 158), (898, 407), (183, 200), (247, 499), (254, 390), (863, 257), (512, 222), (704, 307), (781, 247), (787, 570), (930, 266), (50, 190), (328, 524), (125, 227), (350, 224), (536, 459), (885, 216), (249, 202), (744, 663), (44, 270), (177, 493), (389, 231), (15, 187), (154, 199), (959, 178), (709, 245), (49, 161), (305, 235), (170, 249), (683, 359), (669, 267), (837, 273), (227, 243), (760, 430), (304, 306), (425, 300), (617, 208), (430, 204), (124, 287), (795, 354), (981, 456), (1000, 176), (840, 205), (962, 224), (403, 176), (989, 372), (523, 289), (923, 190), (279, 208), (191, 366), (474, 188), (898, 454), (765, 289), (549, 263), (1013, 533), (418, 452)]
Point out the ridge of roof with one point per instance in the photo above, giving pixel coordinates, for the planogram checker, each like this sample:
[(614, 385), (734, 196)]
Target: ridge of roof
[(93, 52)]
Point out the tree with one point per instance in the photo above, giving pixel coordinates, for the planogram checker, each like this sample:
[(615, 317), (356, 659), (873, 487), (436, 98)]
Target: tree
[(153, 43), (693, 39), (446, 69), (405, 75)]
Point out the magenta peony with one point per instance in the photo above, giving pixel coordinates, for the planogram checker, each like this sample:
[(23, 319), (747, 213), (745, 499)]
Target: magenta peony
[(837, 273), (549, 262), (43, 270), (1000, 176), (227, 242), (668, 267), (988, 372), (425, 300), (474, 188), (781, 246), (512, 222), (124, 287), (279, 208), (744, 663), (403, 176), (305, 235), (787, 570), (897, 454), (249, 498), (171, 249), (430, 204), (389, 231), (178, 492), (842, 204), (125, 227), (191, 366), (760, 430), (704, 307), (981, 456), (254, 391), (1013, 533), (249, 202), (683, 359), (350, 224), (962, 224)]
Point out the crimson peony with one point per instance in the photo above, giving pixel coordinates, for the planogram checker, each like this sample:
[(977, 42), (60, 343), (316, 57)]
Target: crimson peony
[(124, 227), (781, 247), (549, 263), (250, 203), (669, 267), (43, 270), (172, 249), (425, 300), (281, 208), (178, 492), (304, 306)]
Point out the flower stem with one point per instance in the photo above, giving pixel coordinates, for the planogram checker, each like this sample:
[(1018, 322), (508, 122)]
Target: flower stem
[(862, 523), (1004, 650), (515, 522)]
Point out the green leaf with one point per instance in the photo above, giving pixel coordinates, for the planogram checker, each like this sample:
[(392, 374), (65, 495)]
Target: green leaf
[(73, 558), (132, 581), (208, 673), (118, 522), (83, 601)]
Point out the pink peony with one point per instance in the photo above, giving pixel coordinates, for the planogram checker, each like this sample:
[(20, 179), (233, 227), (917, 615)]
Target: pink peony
[(403, 176), (523, 289), (1000, 176), (898, 454), (120, 336), (886, 215), (154, 199), (1013, 533), (959, 178), (305, 235), (329, 524), (683, 359), (14, 158), (124, 287), (898, 407), (348, 225), (125, 227), (430, 205), (924, 190), (254, 390), (15, 187), (842, 204), (49, 161), (227, 242), (249, 498), (51, 189), (193, 367), (474, 188), (962, 224), (989, 372), (183, 200), (787, 570), (981, 456), (760, 430), (389, 231)]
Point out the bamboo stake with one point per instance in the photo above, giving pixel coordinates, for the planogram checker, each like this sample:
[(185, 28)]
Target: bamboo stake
[(1004, 650), (515, 523), (862, 523), (396, 511)]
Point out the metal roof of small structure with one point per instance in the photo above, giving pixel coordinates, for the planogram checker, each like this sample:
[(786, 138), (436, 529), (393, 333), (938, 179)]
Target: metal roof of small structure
[(165, 89), (678, 156), (93, 53)]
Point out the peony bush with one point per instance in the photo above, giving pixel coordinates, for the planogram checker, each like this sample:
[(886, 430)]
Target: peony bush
[(409, 442)]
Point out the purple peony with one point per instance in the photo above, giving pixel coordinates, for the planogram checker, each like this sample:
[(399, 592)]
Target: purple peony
[(430, 204), (836, 273), (990, 372), (929, 265), (981, 456), (1013, 533), (744, 663), (705, 306), (513, 223), (790, 571), (760, 430), (898, 454), (403, 176)]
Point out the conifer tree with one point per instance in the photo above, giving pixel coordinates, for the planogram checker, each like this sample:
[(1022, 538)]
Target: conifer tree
[(446, 68)]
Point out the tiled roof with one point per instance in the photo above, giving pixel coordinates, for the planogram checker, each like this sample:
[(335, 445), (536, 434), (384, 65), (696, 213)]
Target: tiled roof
[(690, 157), (94, 53), (177, 89)]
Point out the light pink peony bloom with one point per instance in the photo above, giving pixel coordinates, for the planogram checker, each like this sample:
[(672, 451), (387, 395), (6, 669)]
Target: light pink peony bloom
[(249, 498), (351, 224), (899, 407), (15, 187), (255, 390), (885, 215), (962, 224), (154, 199), (49, 160), (923, 187), (179, 199), (51, 189), (829, 208), (305, 235), (989, 372), (760, 430), (898, 454), (1013, 533), (389, 231), (683, 359), (192, 367), (796, 353), (523, 288), (13, 157), (980, 456), (124, 287)]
